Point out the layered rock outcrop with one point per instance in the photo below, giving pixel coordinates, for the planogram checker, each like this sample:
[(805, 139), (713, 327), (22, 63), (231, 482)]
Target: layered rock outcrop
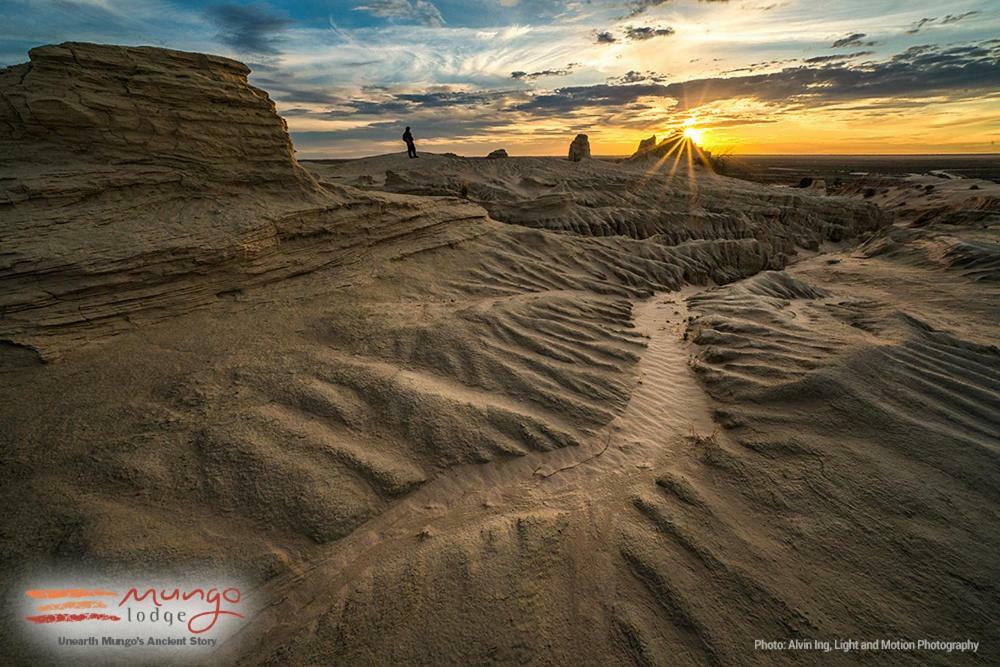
[(579, 149), (116, 105), (139, 183)]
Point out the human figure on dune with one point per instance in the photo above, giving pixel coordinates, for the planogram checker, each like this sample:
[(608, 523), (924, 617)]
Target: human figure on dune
[(411, 149)]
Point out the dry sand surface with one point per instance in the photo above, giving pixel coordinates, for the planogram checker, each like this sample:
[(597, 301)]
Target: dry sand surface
[(460, 411)]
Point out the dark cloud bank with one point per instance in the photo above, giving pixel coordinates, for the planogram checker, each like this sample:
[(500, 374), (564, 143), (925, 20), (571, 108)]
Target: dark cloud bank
[(918, 72)]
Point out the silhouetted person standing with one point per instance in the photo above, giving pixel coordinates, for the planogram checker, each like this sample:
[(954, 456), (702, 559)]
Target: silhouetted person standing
[(411, 149)]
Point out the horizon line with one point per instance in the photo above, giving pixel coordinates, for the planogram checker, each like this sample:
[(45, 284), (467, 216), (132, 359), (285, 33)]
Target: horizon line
[(625, 155)]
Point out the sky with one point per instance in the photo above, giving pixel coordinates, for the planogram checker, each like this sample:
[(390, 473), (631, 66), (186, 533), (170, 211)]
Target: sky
[(471, 76)]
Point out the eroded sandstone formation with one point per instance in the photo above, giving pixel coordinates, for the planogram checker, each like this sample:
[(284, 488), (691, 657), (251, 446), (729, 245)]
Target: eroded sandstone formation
[(654, 201), (116, 105), (645, 145), (674, 147), (580, 148), (139, 183)]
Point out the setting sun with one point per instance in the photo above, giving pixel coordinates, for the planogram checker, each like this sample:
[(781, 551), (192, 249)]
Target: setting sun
[(693, 134)]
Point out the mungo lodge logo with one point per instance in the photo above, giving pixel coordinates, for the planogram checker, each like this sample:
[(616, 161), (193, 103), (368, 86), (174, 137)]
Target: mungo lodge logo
[(132, 618)]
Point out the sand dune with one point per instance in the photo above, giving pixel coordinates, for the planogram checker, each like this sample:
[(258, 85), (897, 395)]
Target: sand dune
[(456, 410)]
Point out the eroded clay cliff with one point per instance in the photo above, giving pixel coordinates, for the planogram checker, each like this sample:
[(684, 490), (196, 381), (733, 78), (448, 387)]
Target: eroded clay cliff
[(139, 183), (144, 107)]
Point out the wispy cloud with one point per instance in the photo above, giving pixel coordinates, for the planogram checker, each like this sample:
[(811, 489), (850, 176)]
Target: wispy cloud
[(955, 18), (920, 24), (837, 57), (854, 39), (521, 75), (416, 11), (637, 7)]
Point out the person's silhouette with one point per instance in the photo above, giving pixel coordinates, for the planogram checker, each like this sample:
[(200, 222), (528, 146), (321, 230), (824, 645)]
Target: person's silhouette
[(411, 149)]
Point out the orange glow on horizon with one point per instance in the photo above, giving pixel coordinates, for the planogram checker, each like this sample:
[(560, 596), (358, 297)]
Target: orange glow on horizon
[(737, 127)]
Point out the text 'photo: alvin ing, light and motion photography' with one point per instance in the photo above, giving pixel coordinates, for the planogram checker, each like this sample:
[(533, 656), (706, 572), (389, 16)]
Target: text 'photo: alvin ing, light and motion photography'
[(499, 332)]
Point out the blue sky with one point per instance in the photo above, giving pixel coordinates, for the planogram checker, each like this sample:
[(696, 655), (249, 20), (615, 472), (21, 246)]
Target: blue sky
[(473, 75)]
